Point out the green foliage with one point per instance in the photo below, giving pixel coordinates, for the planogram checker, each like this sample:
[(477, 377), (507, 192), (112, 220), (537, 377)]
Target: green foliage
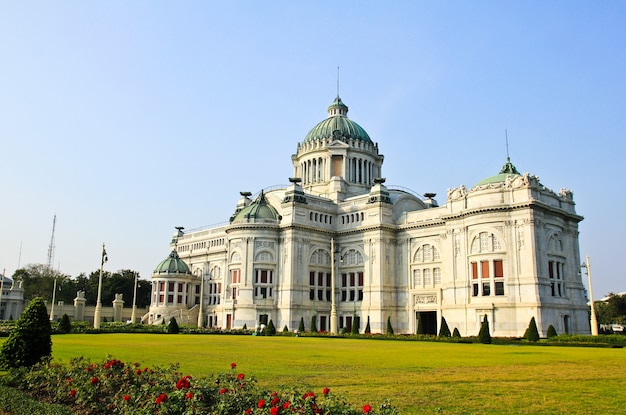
[(389, 327), (245, 327), (356, 320), (551, 332), (270, 329), (30, 341), (65, 325), (456, 334), (444, 331), (420, 326), (484, 336), (313, 324), (532, 334), (172, 327), (285, 329), (612, 311), (15, 403), (368, 330), (301, 325), (96, 389)]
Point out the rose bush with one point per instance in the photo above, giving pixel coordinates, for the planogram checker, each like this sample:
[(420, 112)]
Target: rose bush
[(114, 387)]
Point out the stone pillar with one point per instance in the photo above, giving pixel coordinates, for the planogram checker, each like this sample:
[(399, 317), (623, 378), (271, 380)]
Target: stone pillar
[(79, 306), (118, 304)]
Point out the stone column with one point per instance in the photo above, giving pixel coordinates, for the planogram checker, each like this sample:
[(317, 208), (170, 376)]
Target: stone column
[(118, 304), (79, 306)]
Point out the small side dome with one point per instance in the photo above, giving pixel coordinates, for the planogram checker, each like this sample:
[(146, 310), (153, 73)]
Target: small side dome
[(338, 125), (172, 265), (257, 211), (507, 170)]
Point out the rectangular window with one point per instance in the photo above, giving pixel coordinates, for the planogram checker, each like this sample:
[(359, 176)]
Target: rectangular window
[(558, 270), (234, 293), (312, 278), (328, 280), (360, 279), (263, 277), (327, 295), (559, 287), (344, 280), (344, 295), (498, 268), (474, 290), (360, 295), (352, 295), (198, 289), (499, 288), (170, 299), (474, 270), (551, 269), (320, 279), (320, 295), (179, 299), (180, 288), (484, 265), (311, 294), (552, 289), (170, 286), (486, 289), (236, 276), (352, 279)]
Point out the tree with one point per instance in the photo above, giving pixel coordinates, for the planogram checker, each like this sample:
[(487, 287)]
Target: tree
[(532, 334), (484, 336), (368, 330), (301, 325), (270, 329), (172, 327), (420, 326), (456, 334), (30, 341), (313, 324), (355, 325), (551, 332), (65, 325), (389, 328), (38, 281), (444, 331)]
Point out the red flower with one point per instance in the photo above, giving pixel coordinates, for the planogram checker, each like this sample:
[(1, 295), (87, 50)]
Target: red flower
[(261, 403), (138, 372), (189, 395), (286, 405), (183, 383), (162, 398), (88, 369), (325, 391), (233, 365), (240, 376), (367, 409), (274, 410), (73, 393), (248, 411), (94, 380), (309, 395), (68, 380), (223, 391), (275, 401), (126, 397)]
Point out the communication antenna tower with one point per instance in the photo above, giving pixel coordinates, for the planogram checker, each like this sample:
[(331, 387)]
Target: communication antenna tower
[(51, 247)]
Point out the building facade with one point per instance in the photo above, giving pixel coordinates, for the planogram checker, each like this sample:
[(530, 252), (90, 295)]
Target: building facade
[(339, 247), (12, 301)]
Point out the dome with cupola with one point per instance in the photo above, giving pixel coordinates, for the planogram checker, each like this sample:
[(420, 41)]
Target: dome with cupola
[(172, 265), (337, 125), (258, 210), (507, 170)]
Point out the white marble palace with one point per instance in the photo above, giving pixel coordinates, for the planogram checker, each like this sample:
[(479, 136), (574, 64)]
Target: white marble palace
[(339, 246)]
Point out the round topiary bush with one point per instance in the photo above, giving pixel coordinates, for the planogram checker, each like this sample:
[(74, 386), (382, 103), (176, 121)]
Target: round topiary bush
[(172, 327), (29, 342), (551, 332)]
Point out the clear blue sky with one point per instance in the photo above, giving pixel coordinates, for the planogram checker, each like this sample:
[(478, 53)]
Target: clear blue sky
[(126, 119)]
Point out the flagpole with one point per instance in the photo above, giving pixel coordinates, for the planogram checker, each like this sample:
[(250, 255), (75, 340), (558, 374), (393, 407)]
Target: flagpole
[(2, 286), (98, 311), (132, 316)]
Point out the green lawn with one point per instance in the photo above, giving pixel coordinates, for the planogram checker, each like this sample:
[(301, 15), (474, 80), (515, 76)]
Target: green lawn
[(418, 377)]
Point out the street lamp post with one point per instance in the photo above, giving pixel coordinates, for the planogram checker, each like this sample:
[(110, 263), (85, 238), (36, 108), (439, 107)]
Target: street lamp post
[(333, 307), (98, 310), (54, 292), (594, 319), (133, 315), (200, 308)]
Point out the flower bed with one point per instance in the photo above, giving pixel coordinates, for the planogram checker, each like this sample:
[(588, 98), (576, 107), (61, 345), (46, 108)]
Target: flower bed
[(115, 387)]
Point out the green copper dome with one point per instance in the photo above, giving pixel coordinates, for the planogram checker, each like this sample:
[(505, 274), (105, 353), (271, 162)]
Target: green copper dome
[(507, 170), (337, 125), (172, 265), (258, 210)]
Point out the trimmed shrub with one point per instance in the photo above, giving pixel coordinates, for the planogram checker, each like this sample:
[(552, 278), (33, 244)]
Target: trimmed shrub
[(389, 328), (356, 322), (245, 327), (368, 330), (172, 327), (532, 334), (484, 336), (285, 329), (551, 332), (420, 327), (444, 331), (29, 342), (65, 325), (313, 324), (456, 334), (301, 325), (270, 329)]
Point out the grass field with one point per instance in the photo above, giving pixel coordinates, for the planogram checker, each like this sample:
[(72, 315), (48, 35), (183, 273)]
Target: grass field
[(417, 377)]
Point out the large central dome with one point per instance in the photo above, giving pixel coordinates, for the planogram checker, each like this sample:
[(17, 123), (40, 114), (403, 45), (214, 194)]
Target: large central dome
[(337, 125)]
